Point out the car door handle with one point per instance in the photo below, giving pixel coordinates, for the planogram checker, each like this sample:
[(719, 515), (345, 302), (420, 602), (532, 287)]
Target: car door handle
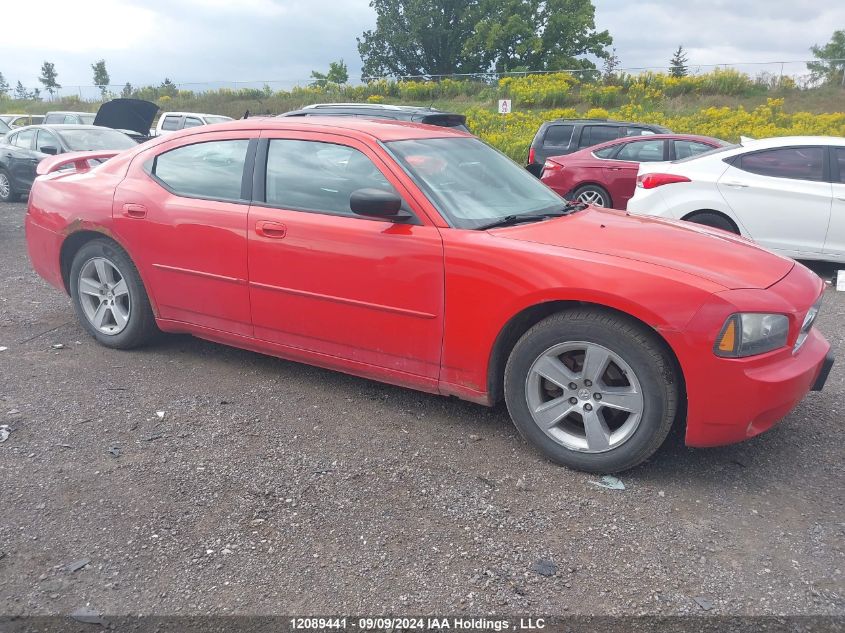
[(614, 169), (134, 210), (735, 183), (274, 230)]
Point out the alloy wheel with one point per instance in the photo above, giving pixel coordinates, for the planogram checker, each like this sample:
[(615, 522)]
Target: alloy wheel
[(5, 186), (104, 296), (592, 197), (584, 396)]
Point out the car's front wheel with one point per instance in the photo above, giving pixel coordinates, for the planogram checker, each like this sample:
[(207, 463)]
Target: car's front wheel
[(7, 192), (592, 390), (109, 296)]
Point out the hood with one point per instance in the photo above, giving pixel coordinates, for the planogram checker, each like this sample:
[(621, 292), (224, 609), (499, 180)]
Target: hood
[(127, 114), (728, 260)]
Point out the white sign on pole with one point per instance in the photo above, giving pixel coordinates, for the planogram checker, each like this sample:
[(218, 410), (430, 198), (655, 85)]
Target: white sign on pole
[(504, 106), (840, 280)]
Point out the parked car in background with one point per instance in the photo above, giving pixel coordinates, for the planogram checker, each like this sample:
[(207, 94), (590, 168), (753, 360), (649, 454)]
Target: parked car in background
[(417, 255), (21, 120), (416, 114), (606, 175), (787, 194), (22, 150), (69, 118), (175, 121), (564, 136)]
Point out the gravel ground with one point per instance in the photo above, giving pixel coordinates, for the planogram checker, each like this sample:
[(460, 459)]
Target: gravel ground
[(270, 487)]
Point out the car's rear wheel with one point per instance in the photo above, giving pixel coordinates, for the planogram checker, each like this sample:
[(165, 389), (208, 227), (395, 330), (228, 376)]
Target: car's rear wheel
[(109, 297), (592, 390), (7, 193), (592, 194), (715, 220)]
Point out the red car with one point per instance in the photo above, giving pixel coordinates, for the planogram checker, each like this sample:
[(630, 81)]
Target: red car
[(605, 175), (419, 256)]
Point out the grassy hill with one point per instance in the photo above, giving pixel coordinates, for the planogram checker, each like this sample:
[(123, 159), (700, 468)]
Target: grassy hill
[(723, 103)]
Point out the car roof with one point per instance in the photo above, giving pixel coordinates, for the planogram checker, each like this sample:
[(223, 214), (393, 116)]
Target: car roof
[(781, 141), (649, 137), (68, 112), (606, 122), (164, 114), (60, 127), (379, 129)]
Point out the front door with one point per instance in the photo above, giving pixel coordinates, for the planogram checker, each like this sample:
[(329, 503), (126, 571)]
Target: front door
[(780, 197), (331, 282), (835, 242)]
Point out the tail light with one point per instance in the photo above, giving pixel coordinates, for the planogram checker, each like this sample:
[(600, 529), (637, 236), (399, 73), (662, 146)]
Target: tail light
[(650, 181), (531, 156), (550, 166)]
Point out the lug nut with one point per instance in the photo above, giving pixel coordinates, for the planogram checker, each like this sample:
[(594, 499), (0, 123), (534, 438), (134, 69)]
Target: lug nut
[(588, 407), (597, 396), (573, 386), (573, 401), (588, 383)]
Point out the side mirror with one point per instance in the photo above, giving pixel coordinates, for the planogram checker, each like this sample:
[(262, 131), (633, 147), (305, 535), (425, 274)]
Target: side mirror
[(49, 149), (378, 203)]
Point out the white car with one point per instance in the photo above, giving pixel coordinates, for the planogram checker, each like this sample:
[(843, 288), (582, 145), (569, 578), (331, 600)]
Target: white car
[(175, 121), (787, 194)]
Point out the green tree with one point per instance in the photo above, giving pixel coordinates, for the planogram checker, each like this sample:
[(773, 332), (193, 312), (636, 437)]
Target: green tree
[(610, 66), (127, 90), (20, 92), (48, 78), (830, 68), (168, 88), (4, 87), (420, 37), (538, 34), (101, 76), (678, 63), (338, 74)]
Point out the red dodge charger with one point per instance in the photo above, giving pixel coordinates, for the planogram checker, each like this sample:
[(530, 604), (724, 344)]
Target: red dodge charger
[(419, 256), (605, 175)]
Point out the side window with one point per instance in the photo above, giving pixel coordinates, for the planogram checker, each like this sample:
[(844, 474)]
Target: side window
[(315, 176), (558, 135), (839, 157), (170, 123), (606, 152), (192, 122), (686, 149), (54, 118), (641, 151), (213, 169), (638, 131), (797, 163), (71, 119), (46, 138), (595, 134), (24, 139)]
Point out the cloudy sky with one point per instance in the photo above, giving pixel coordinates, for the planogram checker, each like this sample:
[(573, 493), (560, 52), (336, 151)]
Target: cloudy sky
[(281, 41)]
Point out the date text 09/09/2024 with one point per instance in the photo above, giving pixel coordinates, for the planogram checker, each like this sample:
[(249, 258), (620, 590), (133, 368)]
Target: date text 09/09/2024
[(415, 623)]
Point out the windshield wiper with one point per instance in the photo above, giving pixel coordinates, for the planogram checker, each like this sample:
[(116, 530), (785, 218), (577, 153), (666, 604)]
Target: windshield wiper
[(519, 218)]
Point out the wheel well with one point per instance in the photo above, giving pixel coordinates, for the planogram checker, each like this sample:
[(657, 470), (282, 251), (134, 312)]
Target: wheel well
[(690, 216), (528, 318), (70, 247)]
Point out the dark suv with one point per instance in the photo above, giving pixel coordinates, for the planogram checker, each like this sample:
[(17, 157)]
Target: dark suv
[(417, 114), (564, 136)]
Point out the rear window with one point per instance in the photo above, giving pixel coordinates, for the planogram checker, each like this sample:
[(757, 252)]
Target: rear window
[(170, 123), (558, 135), (797, 163)]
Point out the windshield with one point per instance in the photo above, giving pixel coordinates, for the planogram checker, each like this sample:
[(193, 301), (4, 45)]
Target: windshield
[(87, 119), (4, 127), (80, 140), (472, 184), (210, 120)]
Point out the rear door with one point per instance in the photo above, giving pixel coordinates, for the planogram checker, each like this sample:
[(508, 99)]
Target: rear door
[(781, 196), (556, 142), (620, 173), (22, 158), (595, 134), (835, 242)]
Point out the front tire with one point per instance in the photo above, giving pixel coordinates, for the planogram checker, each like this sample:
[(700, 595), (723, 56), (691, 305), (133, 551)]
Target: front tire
[(592, 390), (714, 220), (7, 192), (109, 297)]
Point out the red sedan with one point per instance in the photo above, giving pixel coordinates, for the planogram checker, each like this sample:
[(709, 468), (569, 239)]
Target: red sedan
[(605, 175), (419, 256)]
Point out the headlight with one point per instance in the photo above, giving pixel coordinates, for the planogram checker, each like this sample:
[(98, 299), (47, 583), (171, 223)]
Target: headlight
[(749, 333), (812, 313)]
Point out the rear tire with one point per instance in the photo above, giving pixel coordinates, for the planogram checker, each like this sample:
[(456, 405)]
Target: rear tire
[(714, 220), (109, 297), (604, 415), (7, 192), (594, 195)]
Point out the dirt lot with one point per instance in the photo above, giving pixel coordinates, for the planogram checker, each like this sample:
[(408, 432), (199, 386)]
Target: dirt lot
[(272, 487)]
